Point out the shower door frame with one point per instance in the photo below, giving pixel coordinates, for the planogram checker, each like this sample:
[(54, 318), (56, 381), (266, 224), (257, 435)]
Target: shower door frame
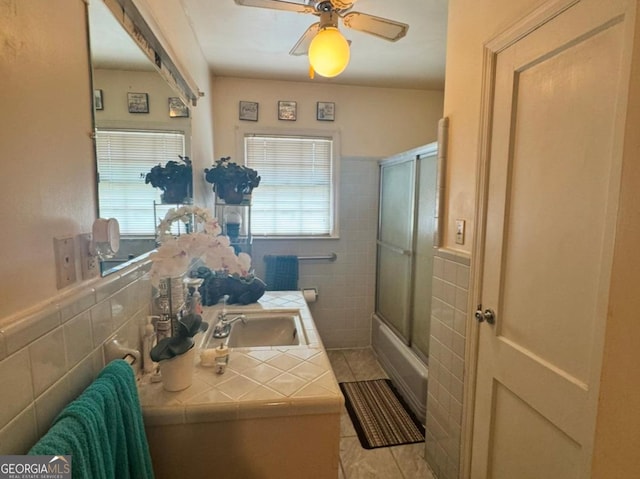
[(414, 156)]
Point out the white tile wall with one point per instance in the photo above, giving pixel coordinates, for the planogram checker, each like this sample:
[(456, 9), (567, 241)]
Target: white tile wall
[(346, 287), (48, 363), (48, 357), (446, 362), (15, 372), (78, 338)]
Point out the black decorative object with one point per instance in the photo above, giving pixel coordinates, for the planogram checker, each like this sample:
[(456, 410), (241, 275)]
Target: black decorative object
[(240, 290)]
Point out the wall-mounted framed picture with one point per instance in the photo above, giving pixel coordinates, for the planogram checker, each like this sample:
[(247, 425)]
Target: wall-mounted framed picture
[(177, 108), (97, 100), (249, 110), (138, 102), (287, 110), (326, 111)]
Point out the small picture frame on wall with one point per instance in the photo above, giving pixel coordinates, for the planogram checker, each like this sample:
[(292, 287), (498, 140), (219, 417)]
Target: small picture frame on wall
[(326, 111), (287, 110), (177, 108), (97, 100), (249, 110), (138, 102)]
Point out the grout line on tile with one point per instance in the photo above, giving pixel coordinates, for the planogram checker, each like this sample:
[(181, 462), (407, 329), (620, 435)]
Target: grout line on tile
[(395, 460)]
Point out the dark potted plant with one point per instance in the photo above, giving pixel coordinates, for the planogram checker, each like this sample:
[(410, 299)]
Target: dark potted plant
[(175, 355), (182, 341), (175, 179), (231, 181)]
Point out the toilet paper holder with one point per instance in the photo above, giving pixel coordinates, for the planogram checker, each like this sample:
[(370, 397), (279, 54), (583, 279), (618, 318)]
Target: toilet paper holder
[(310, 295)]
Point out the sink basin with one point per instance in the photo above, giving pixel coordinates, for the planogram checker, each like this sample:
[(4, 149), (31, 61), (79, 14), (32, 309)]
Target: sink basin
[(272, 328)]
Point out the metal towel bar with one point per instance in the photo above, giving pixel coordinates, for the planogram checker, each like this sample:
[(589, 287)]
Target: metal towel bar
[(328, 257)]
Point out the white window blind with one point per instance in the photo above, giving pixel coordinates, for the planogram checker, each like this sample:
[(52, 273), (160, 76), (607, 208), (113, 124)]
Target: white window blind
[(296, 192), (124, 158)]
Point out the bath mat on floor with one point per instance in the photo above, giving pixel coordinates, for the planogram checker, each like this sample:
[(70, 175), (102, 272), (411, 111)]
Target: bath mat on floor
[(379, 415)]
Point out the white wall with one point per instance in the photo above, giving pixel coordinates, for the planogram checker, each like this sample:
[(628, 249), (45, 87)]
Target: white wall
[(373, 122), (470, 24), (48, 181), (115, 84)]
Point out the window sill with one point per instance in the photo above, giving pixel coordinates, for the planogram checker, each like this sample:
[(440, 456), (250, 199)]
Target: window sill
[(296, 238)]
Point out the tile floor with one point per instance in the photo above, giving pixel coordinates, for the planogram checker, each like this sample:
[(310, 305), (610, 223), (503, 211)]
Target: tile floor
[(399, 462)]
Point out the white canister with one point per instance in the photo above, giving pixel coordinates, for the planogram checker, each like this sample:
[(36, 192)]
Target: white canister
[(177, 372)]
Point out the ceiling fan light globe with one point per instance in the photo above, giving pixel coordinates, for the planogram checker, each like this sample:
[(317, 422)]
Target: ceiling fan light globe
[(329, 52)]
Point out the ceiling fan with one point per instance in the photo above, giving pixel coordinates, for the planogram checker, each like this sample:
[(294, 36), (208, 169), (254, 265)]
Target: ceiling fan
[(329, 11)]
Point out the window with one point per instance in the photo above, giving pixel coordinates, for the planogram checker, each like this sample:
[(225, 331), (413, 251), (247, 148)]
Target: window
[(124, 158), (296, 196)]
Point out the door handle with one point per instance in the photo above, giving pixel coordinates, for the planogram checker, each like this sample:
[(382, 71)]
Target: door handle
[(487, 315), (395, 249)]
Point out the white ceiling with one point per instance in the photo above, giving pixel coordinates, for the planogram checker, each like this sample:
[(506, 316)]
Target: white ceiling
[(254, 42), (111, 46)]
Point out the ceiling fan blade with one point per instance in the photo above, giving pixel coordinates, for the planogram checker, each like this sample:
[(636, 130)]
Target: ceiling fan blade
[(277, 5), (302, 46), (378, 26), (342, 5)]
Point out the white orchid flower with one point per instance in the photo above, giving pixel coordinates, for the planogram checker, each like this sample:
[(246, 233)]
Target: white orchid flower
[(175, 254)]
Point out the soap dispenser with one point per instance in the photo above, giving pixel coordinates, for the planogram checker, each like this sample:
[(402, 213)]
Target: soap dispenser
[(222, 358), (193, 301)]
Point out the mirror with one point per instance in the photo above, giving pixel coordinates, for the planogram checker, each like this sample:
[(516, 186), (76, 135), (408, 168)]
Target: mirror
[(140, 120)]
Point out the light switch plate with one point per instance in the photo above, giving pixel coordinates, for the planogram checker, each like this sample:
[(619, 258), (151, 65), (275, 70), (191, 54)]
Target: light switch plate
[(460, 231), (64, 250)]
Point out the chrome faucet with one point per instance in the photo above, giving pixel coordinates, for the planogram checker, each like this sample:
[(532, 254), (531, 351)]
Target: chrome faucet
[(223, 326)]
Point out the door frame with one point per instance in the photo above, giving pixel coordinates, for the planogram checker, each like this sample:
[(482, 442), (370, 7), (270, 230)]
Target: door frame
[(492, 48)]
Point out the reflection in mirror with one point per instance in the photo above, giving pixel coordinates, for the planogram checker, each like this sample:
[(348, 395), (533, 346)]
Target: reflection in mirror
[(140, 122)]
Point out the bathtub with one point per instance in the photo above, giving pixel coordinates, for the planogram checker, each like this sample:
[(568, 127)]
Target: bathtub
[(407, 372)]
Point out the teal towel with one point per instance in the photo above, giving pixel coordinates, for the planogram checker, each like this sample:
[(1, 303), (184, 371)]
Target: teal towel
[(282, 273), (102, 430)]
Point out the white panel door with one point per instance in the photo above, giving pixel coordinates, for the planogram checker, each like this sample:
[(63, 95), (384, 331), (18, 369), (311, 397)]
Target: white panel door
[(552, 191)]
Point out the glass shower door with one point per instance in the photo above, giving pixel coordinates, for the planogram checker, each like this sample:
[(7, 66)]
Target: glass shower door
[(395, 244), (423, 253)]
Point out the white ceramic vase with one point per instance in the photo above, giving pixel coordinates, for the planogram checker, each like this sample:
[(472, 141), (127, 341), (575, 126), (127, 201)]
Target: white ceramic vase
[(177, 372)]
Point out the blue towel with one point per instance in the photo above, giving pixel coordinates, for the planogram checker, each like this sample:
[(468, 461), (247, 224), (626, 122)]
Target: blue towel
[(102, 430), (282, 273)]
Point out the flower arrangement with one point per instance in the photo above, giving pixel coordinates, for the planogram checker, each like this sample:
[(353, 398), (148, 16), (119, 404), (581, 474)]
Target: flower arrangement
[(174, 256), (191, 216), (231, 181)]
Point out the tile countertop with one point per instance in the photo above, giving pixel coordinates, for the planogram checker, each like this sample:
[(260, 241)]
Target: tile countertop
[(258, 382)]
